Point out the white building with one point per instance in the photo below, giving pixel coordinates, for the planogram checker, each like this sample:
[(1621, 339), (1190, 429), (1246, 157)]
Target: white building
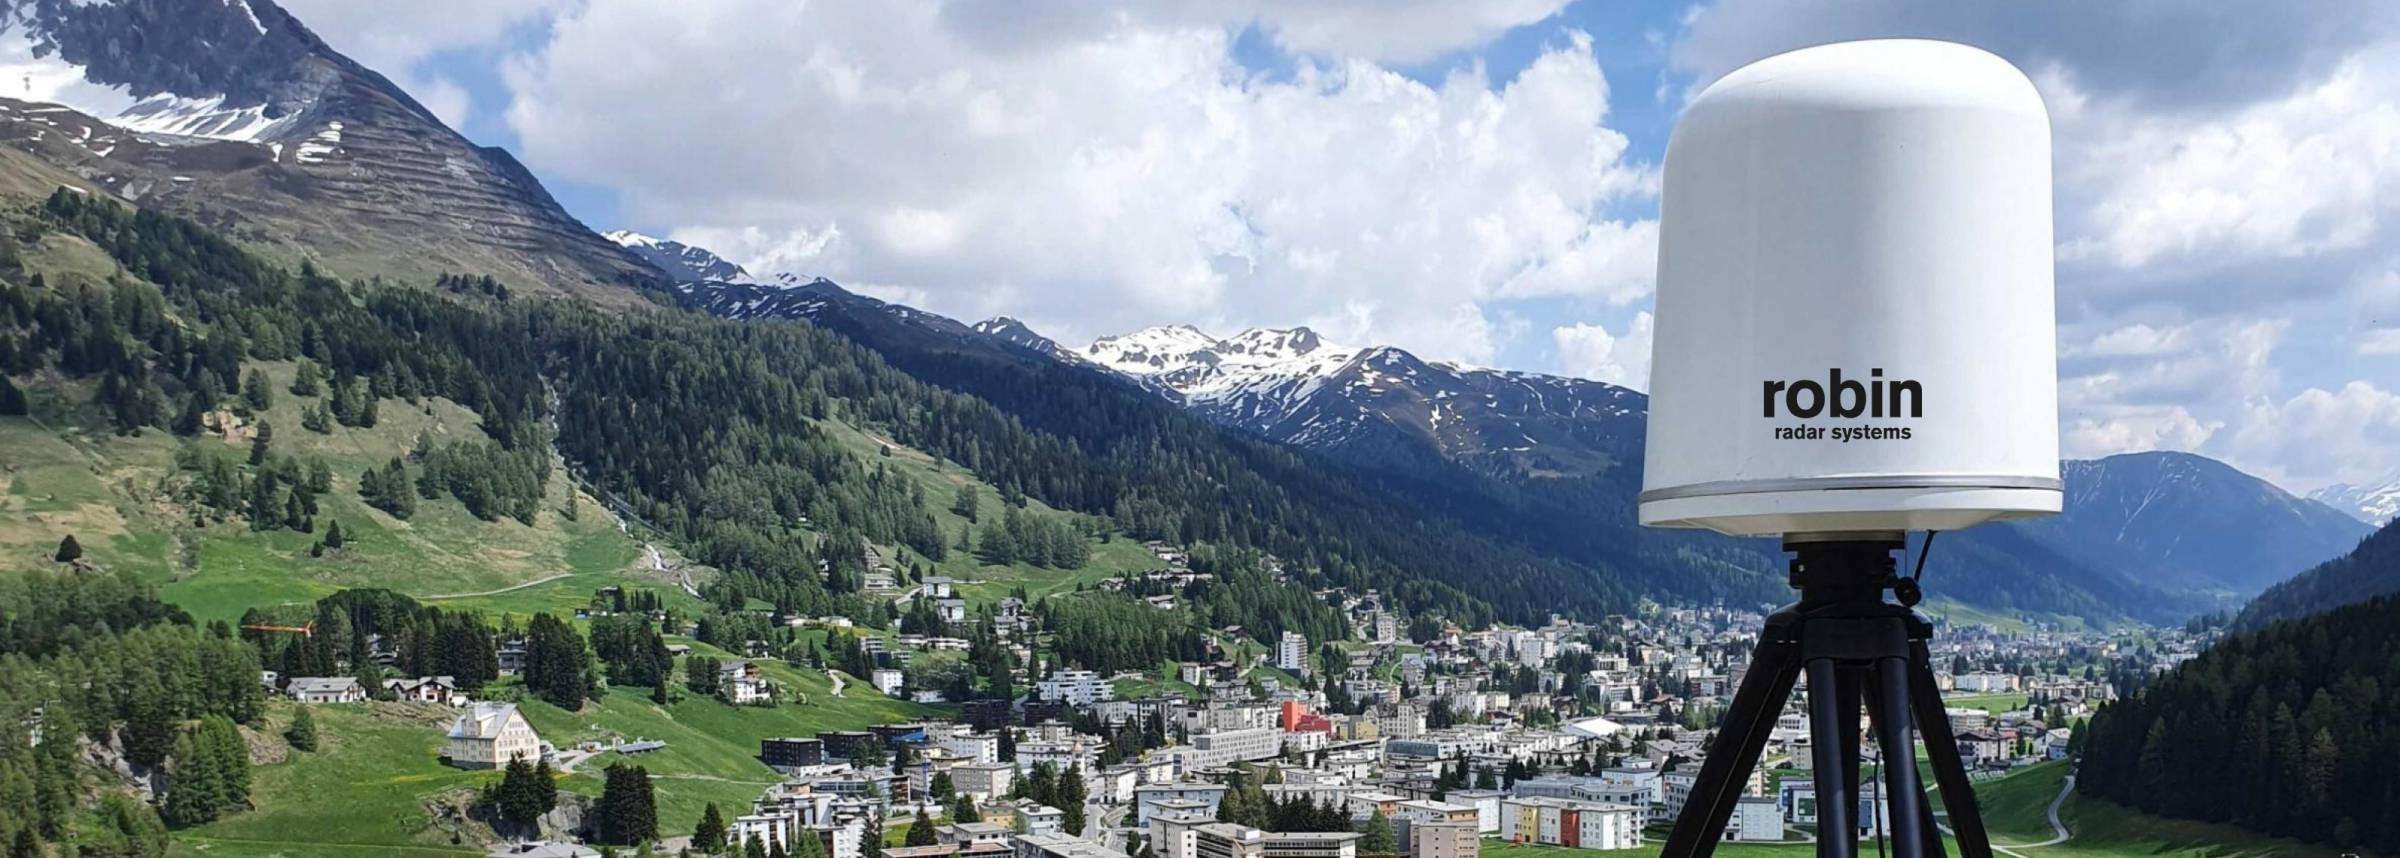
[(886, 680), (1756, 818), (326, 689), (1224, 747), (1075, 688), (1291, 652), (489, 736)]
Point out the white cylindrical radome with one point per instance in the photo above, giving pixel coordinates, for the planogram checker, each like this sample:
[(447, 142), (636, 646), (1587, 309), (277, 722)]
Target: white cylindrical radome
[(1855, 327)]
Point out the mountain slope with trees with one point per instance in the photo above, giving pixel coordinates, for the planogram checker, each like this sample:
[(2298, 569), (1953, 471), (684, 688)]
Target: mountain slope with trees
[(2289, 730), (2370, 571)]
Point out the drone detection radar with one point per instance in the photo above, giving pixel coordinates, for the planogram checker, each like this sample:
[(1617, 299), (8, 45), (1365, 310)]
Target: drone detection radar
[(1854, 321), (1854, 340)]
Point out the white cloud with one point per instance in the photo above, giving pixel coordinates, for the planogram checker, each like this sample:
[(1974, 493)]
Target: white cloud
[(449, 102), (1403, 31), (2132, 430), (2351, 433), (1590, 351), (398, 39), (393, 37), (2312, 172), (1107, 172)]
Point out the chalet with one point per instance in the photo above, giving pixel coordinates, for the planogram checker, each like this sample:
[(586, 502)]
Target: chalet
[(326, 689), (430, 689), (1980, 746), (511, 656), (489, 736), (743, 684)]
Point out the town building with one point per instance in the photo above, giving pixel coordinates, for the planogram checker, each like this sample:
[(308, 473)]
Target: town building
[(1059, 846), (1075, 688), (489, 736), (1291, 652), (326, 689), (790, 753), (428, 689), (1444, 840)]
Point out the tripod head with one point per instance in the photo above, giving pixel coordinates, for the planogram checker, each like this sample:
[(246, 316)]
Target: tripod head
[(1849, 568)]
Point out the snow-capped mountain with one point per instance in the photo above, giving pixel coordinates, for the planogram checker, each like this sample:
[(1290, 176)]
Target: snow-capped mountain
[(686, 264), (1015, 333), (234, 113), (1378, 403), (2376, 502)]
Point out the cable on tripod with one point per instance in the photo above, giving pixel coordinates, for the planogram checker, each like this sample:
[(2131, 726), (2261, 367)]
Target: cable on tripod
[(1924, 548)]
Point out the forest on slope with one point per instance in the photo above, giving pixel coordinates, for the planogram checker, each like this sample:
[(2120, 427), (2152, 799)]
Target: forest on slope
[(708, 430), (2289, 730)]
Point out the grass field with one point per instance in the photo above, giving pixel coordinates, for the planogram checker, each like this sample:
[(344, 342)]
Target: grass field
[(365, 788), (1993, 703), (106, 490), (2016, 809)]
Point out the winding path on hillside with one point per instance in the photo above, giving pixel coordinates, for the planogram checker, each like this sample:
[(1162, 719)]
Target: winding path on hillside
[(509, 589), (2060, 834)]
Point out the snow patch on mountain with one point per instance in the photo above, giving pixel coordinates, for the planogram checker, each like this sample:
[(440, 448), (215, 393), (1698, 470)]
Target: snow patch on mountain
[(2375, 502), (33, 68)]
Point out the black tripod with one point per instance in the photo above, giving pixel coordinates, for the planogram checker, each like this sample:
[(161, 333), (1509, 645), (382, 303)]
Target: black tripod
[(1858, 651)]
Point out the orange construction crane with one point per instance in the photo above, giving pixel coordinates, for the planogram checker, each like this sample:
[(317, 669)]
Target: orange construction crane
[(309, 630)]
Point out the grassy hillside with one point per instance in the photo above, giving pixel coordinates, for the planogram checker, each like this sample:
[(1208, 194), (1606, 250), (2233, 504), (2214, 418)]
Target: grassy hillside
[(2016, 808), (978, 582), (104, 489)]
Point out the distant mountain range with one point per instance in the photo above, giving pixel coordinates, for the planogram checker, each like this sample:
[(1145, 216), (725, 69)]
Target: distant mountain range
[(2157, 536), (2375, 502)]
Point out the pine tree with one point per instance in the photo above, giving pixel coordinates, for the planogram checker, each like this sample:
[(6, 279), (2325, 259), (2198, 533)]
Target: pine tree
[(920, 833), (307, 380), (262, 442), (69, 550), (12, 399), (870, 843), (709, 836), (1379, 839), (627, 810), (302, 734), (255, 393), (544, 786), (333, 535), (515, 796)]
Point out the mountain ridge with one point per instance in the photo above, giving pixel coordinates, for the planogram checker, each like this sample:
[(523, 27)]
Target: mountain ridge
[(2375, 501), (237, 115)]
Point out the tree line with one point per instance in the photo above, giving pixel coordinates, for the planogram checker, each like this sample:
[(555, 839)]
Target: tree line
[(2290, 730)]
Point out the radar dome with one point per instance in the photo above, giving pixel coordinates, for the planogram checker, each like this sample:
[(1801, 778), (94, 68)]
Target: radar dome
[(1855, 327)]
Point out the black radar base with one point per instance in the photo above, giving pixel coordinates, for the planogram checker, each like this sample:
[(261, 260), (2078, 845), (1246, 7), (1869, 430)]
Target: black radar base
[(1861, 653)]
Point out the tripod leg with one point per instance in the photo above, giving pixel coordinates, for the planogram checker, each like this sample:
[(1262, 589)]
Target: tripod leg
[(1902, 787), (1837, 836), (1933, 833), (1941, 750), (1850, 683), (1774, 664)]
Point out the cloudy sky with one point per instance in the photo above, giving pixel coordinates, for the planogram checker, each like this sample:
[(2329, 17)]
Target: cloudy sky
[(1472, 181)]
